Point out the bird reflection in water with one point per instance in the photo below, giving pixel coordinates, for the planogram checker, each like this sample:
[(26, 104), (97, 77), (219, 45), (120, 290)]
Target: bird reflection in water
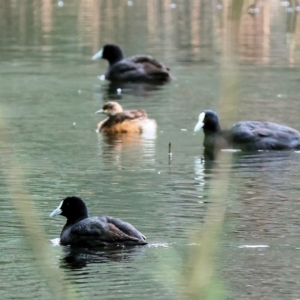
[(78, 258), (133, 148), (205, 169), (116, 90)]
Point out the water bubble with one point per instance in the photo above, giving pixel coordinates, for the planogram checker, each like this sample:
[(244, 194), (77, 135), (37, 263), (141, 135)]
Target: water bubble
[(129, 3), (55, 242), (231, 150), (60, 3), (119, 91), (79, 92), (173, 5), (253, 246), (155, 245), (74, 123), (102, 77), (219, 7)]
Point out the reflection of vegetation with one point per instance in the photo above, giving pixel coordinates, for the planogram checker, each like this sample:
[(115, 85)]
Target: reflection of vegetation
[(236, 9)]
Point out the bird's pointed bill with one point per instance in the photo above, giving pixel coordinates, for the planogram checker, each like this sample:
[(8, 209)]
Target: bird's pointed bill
[(200, 123), (100, 111), (98, 55), (57, 211)]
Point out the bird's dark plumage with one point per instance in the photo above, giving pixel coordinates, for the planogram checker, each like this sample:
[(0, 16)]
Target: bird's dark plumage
[(119, 121), (134, 69), (246, 135), (84, 231)]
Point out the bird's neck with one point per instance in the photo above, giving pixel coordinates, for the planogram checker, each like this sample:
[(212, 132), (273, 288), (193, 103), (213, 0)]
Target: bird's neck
[(215, 129), (116, 57), (71, 221), (114, 61)]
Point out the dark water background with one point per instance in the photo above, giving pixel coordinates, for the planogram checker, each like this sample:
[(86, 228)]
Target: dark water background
[(49, 92)]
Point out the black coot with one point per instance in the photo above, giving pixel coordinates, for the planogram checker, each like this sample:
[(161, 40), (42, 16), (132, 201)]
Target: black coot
[(136, 68), (245, 135), (84, 231)]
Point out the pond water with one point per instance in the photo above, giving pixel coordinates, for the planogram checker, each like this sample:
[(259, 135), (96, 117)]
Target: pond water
[(49, 91)]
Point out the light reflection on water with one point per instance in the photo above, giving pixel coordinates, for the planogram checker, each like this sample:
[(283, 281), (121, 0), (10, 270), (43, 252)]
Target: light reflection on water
[(45, 62)]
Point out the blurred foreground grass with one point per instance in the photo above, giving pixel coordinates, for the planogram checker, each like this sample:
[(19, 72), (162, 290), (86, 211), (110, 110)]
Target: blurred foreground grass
[(35, 235), (199, 278)]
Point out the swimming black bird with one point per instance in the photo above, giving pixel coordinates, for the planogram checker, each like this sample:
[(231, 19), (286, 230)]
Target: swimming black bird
[(245, 135), (138, 68), (84, 231), (119, 121)]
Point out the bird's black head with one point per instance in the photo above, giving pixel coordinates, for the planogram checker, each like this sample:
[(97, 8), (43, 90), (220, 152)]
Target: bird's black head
[(112, 53), (209, 121), (73, 208)]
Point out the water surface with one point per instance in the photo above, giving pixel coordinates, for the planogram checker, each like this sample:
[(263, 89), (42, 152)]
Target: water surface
[(49, 91)]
